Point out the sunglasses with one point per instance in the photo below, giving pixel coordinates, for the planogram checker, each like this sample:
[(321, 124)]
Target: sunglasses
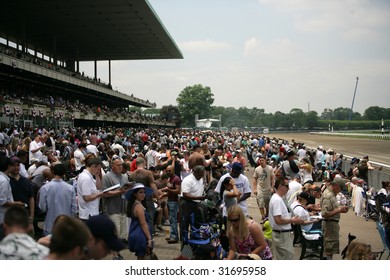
[(234, 220)]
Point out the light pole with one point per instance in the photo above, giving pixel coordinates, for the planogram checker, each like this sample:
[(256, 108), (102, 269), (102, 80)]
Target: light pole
[(353, 99)]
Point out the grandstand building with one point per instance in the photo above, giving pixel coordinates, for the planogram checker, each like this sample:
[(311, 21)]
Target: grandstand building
[(42, 43)]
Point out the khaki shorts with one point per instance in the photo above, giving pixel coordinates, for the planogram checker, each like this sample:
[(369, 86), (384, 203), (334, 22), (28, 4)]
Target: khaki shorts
[(331, 230), (263, 199)]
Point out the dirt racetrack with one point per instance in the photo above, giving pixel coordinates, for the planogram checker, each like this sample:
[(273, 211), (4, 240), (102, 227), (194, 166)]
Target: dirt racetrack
[(377, 150)]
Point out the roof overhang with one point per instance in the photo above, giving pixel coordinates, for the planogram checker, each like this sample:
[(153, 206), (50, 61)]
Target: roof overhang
[(88, 30)]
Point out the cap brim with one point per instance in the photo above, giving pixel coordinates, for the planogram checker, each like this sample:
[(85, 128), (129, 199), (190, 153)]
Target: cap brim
[(115, 244)]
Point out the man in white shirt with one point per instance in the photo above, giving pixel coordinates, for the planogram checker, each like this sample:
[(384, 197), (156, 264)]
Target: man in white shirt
[(88, 189), (280, 218), (192, 193), (79, 156), (302, 153), (35, 149)]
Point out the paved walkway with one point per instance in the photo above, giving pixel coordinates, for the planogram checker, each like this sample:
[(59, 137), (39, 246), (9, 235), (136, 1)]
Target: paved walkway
[(350, 223)]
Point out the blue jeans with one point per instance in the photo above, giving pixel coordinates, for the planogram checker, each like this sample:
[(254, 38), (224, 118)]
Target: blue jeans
[(173, 207)]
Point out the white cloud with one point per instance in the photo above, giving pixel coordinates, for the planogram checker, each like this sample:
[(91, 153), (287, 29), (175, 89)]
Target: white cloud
[(203, 46), (354, 19), (278, 49)]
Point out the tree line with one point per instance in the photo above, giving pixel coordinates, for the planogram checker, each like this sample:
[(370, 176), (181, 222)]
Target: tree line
[(199, 100)]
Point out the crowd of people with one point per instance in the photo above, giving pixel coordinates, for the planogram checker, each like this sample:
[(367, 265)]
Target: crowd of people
[(115, 188), (55, 99)]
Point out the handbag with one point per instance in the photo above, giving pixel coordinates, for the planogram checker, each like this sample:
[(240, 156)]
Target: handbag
[(150, 255)]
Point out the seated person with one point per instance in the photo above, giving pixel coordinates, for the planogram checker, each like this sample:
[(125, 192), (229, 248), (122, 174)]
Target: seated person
[(315, 193), (299, 209), (245, 236)]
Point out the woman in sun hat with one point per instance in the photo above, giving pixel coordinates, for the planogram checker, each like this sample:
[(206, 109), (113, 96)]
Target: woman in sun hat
[(140, 232)]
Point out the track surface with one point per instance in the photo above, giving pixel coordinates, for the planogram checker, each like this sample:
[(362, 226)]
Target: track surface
[(377, 150)]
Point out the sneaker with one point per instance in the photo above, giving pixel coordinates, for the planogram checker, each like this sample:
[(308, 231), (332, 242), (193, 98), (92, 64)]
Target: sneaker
[(167, 223), (155, 233), (118, 257)]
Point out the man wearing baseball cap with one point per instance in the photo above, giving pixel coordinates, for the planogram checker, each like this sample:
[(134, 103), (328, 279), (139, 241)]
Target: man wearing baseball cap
[(330, 211), (105, 238)]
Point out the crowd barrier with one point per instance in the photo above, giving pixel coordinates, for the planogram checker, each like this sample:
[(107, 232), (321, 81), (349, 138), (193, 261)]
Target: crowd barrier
[(376, 136)]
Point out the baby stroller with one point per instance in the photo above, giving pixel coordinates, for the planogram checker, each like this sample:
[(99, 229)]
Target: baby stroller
[(202, 242)]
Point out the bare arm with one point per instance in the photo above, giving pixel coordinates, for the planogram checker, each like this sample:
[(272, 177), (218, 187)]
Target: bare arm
[(244, 197), (235, 192), (254, 185), (283, 221), (232, 248), (31, 203), (91, 197)]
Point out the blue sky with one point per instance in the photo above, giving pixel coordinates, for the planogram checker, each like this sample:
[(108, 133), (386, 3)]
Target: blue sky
[(270, 54)]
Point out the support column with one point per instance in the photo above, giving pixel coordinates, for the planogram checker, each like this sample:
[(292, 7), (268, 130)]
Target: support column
[(95, 69), (109, 73)]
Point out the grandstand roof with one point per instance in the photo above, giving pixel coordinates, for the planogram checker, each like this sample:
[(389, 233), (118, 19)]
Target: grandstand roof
[(87, 30)]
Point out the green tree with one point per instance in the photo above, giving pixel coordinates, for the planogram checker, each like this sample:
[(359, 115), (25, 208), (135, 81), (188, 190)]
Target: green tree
[(374, 113), (312, 119), (170, 113), (327, 114), (341, 113), (194, 100), (297, 117)]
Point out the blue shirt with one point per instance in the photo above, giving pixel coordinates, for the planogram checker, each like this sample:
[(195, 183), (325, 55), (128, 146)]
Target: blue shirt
[(55, 198)]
